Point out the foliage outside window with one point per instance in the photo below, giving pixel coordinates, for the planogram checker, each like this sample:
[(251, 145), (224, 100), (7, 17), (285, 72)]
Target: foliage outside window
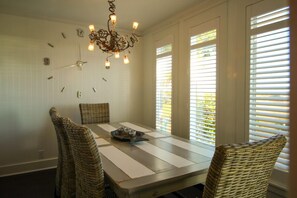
[(164, 88)]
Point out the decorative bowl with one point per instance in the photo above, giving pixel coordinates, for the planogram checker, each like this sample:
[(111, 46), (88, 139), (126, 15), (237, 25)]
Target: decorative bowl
[(128, 135)]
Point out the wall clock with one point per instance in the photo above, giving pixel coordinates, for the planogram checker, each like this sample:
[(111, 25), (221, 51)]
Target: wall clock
[(76, 65)]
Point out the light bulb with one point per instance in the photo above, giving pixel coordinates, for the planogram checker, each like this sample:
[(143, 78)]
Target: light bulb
[(117, 54), (107, 63), (126, 59), (91, 46), (135, 25), (91, 28), (113, 19)]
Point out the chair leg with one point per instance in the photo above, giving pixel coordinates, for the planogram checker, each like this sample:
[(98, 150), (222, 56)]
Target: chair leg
[(56, 194)]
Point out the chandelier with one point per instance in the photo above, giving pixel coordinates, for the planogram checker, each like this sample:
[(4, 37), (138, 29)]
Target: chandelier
[(110, 41)]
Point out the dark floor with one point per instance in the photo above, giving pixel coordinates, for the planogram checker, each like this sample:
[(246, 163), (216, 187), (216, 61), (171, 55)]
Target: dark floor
[(191, 192), (40, 184)]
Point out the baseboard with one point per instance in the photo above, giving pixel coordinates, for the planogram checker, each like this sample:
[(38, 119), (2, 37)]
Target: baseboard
[(14, 169)]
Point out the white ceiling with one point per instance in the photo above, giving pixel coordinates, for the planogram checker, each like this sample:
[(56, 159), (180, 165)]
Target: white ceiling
[(85, 12)]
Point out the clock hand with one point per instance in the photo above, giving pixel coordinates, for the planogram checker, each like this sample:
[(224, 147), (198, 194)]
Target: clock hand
[(66, 66), (79, 51), (78, 63)]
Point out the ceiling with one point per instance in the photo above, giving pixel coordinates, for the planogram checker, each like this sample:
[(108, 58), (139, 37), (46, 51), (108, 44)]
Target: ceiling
[(85, 12)]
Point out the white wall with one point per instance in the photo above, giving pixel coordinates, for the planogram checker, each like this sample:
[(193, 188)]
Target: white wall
[(27, 137)]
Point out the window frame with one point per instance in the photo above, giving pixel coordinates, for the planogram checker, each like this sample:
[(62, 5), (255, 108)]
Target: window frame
[(158, 44), (279, 177), (200, 29)]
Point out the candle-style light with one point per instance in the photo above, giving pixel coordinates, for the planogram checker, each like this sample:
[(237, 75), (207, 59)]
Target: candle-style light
[(126, 59), (135, 25), (91, 47), (117, 54), (107, 64), (91, 28), (113, 19)]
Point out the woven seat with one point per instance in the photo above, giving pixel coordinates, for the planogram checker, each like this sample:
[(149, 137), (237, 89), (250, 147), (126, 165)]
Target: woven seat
[(65, 175), (239, 170), (243, 170), (94, 113), (88, 166)]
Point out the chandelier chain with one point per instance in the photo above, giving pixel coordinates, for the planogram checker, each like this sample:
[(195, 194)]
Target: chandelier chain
[(112, 6)]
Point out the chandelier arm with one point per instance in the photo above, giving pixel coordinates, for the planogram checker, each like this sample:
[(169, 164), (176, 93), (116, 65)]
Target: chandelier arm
[(133, 40), (110, 54), (108, 24), (124, 48)]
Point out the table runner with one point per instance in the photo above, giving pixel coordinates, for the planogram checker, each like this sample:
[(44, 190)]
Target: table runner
[(107, 127), (101, 142), (164, 155), (135, 127), (188, 146), (157, 134), (95, 135), (127, 164)]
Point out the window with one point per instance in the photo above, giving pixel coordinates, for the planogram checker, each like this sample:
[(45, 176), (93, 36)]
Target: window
[(269, 81), (164, 88), (203, 67)]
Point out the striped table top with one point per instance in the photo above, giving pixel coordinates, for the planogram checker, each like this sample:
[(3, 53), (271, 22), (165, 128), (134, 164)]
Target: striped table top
[(151, 168)]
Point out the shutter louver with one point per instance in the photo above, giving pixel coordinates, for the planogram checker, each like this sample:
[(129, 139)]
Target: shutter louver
[(203, 87), (164, 88), (270, 79)]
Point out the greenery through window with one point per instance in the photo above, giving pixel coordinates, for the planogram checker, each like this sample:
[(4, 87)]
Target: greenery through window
[(203, 60)]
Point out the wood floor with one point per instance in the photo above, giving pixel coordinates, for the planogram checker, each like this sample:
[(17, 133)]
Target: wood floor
[(40, 184)]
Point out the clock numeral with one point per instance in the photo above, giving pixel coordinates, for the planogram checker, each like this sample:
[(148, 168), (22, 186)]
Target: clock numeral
[(78, 94), (64, 36), (50, 77), (46, 61), (94, 89), (51, 45), (80, 32), (62, 89)]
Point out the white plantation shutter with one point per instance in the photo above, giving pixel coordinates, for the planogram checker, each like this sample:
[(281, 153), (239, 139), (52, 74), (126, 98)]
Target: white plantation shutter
[(164, 88), (269, 85), (203, 64)]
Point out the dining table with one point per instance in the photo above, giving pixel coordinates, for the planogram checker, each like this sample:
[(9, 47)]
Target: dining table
[(159, 164)]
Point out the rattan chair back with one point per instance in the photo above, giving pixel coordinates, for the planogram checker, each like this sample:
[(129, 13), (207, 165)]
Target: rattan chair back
[(88, 166), (65, 175), (243, 170), (94, 113)]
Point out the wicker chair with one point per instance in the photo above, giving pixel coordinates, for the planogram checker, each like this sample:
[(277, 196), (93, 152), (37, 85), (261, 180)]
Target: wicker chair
[(65, 175), (243, 170), (94, 113), (88, 166)]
